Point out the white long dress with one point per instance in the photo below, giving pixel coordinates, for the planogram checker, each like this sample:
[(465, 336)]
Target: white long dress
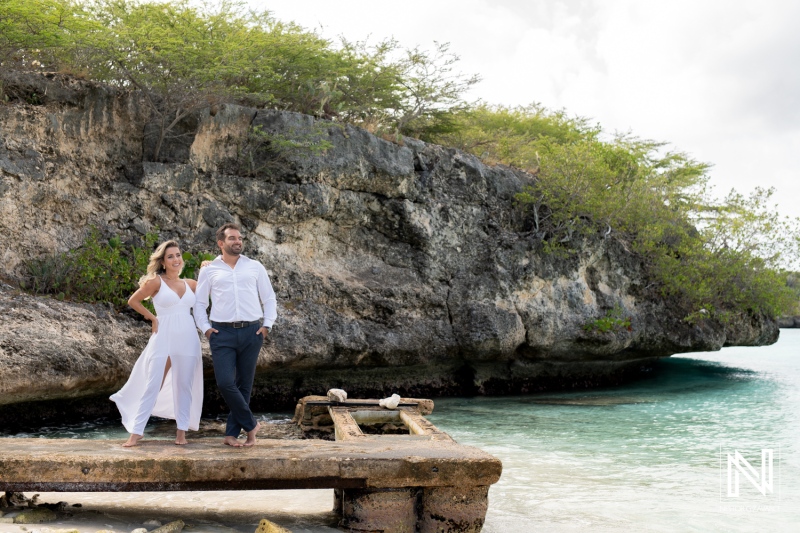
[(181, 395)]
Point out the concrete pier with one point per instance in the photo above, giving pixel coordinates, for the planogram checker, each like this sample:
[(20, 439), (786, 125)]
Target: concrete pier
[(73, 465), (420, 481)]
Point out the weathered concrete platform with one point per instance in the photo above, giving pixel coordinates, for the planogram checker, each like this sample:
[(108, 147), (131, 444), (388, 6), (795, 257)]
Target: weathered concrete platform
[(386, 461), (420, 480)]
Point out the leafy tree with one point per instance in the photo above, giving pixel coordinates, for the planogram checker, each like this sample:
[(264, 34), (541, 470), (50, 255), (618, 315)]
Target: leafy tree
[(713, 257), (793, 282), (37, 33), (184, 56), (383, 87), (622, 184), (431, 91), (509, 135), (263, 153), (734, 259), (180, 59)]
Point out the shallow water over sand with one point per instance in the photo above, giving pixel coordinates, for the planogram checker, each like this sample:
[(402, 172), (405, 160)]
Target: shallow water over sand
[(650, 456)]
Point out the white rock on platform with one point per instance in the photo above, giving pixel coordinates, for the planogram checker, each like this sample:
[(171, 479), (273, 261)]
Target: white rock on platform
[(337, 395), (391, 402)]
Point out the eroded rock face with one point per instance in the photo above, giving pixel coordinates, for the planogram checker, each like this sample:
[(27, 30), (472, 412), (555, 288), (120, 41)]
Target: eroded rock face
[(56, 350), (398, 267)]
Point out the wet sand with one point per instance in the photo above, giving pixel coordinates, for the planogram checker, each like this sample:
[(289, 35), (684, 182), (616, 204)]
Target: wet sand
[(300, 511)]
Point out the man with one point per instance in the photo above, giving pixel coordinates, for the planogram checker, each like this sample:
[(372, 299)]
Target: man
[(242, 314)]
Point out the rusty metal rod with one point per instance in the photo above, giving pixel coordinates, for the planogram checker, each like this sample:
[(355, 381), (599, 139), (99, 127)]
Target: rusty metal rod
[(355, 403)]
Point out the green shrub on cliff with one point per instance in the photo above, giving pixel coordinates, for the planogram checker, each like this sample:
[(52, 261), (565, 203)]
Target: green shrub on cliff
[(793, 282), (105, 271), (713, 257), (36, 32), (732, 258), (612, 321), (97, 271), (263, 153), (184, 57), (511, 135)]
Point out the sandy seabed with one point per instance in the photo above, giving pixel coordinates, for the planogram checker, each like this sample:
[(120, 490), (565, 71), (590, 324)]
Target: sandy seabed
[(300, 511)]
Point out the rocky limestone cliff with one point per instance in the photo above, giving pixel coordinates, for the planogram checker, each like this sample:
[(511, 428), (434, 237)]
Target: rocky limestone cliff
[(398, 267)]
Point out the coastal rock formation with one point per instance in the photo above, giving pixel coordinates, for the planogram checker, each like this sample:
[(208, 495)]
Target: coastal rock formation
[(53, 350), (789, 322), (399, 266)]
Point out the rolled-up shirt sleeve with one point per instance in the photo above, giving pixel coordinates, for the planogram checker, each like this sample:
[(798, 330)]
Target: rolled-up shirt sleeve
[(201, 301), (266, 295)]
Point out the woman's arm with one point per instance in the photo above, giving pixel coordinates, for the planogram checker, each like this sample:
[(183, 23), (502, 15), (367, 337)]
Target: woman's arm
[(148, 290)]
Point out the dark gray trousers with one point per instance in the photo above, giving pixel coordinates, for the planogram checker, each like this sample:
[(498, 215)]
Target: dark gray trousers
[(234, 352)]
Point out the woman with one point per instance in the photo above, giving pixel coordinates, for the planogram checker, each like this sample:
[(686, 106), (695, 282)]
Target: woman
[(167, 379)]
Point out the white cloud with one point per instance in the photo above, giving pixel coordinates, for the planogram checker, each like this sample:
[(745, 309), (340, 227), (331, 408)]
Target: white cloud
[(717, 79)]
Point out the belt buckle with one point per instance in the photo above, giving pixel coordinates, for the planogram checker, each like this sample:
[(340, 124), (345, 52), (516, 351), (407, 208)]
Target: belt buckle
[(239, 325)]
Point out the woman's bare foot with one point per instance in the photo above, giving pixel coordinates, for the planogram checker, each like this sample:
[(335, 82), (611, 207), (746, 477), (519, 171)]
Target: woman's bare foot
[(133, 440), (232, 441), (251, 436), (180, 438)]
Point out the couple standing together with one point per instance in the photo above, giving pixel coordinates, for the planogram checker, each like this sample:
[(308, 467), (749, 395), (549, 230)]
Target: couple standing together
[(167, 379)]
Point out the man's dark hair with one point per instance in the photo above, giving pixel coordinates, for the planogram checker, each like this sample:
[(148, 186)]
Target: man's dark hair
[(221, 231)]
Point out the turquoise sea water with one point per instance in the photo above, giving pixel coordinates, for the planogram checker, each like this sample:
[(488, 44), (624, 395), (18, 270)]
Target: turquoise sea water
[(649, 456)]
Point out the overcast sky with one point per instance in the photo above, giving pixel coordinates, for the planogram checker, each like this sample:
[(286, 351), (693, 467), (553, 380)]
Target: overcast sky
[(717, 79)]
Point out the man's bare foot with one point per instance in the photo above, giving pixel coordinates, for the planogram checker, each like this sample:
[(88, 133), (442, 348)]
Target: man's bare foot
[(133, 440), (180, 438), (251, 436), (232, 441)]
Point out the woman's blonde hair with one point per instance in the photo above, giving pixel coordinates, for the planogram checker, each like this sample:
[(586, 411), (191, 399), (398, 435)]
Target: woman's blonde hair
[(156, 265)]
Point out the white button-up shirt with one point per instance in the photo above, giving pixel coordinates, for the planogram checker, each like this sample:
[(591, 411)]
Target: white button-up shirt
[(240, 294)]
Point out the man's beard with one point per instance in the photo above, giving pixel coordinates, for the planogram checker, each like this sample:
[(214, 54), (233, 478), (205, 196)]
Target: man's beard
[(230, 251)]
